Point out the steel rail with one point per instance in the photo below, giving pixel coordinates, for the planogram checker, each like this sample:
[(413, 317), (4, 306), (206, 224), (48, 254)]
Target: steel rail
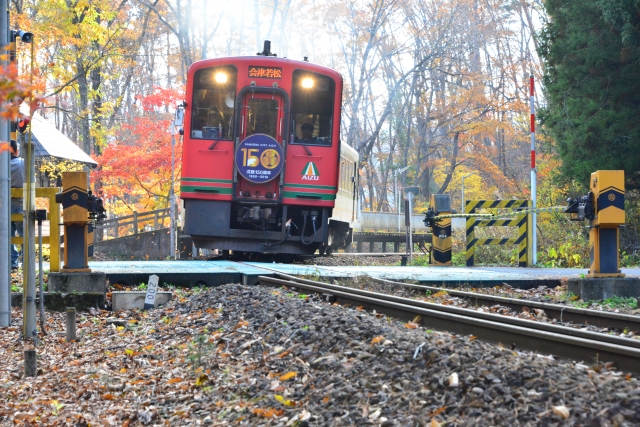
[(603, 319), (524, 334)]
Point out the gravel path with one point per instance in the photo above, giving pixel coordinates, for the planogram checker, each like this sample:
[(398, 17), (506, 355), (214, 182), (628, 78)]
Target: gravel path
[(254, 356)]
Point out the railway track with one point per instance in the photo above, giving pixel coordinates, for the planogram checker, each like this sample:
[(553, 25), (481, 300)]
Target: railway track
[(544, 338), (563, 313)]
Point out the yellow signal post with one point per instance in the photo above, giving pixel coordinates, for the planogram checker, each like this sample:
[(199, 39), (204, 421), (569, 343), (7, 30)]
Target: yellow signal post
[(607, 188), (441, 230), (75, 217)]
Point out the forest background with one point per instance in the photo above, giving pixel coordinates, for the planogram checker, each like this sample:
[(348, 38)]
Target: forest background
[(438, 86)]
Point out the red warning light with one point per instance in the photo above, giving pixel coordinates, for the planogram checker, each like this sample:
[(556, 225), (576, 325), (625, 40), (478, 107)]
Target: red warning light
[(22, 125)]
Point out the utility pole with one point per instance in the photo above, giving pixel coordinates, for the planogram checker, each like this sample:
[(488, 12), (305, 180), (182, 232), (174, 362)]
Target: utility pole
[(396, 193), (5, 194), (29, 238)]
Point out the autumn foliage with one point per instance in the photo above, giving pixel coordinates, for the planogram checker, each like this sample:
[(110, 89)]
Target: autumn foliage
[(134, 170)]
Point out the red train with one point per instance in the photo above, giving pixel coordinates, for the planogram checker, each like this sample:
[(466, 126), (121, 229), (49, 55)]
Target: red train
[(263, 168)]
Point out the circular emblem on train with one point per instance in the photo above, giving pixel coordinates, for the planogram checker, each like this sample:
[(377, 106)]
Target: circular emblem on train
[(259, 158), (74, 196), (611, 197)]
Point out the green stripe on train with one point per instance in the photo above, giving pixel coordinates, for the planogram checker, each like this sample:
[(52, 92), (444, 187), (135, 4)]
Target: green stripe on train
[(219, 181), (313, 187), (309, 196), (205, 189)]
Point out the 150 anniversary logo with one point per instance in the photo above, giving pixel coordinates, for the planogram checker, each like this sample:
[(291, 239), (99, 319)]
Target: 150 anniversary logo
[(259, 158)]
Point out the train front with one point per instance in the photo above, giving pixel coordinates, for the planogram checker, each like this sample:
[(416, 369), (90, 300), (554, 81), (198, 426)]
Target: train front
[(261, 154)]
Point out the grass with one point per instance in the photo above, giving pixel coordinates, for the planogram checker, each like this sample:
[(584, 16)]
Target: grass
[(612, 303)]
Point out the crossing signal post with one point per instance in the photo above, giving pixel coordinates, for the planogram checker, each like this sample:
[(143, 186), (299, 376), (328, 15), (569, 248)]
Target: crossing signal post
[(603, 207), (440, 204), (75, 216)]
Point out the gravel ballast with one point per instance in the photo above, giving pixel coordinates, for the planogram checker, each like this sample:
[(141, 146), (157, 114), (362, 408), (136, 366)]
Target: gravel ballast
[(256, 356)]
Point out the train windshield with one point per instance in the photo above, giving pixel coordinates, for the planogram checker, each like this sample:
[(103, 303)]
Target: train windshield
[(312, 98), (213, 102)]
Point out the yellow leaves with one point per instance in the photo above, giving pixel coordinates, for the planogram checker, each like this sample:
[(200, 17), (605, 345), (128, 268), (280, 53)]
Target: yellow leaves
[(285, 402), (288, 376), (417, 319), (201, 380), (56, 405), (129, 352), (377, 339), (120, 328)]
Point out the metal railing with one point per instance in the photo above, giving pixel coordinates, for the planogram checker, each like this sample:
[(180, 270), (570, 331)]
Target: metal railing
[(132, 224)]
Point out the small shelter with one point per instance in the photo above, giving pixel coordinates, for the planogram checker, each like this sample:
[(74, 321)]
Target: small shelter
[(50, 143)]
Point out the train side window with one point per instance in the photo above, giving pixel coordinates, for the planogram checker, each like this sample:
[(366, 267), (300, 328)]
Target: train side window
[(213, 102), (312, 98)]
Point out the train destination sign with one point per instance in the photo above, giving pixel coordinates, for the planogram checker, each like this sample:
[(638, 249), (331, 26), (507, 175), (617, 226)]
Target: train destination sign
[(265, 72), (259, 158)]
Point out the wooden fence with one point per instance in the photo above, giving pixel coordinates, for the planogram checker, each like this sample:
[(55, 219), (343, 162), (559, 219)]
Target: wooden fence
[(132, 224)]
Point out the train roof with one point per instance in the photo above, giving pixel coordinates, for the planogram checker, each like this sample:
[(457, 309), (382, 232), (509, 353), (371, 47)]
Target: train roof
[(262, 60)]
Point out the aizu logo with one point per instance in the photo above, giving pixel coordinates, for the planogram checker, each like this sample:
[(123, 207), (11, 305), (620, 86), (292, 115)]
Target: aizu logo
[(310, 172)]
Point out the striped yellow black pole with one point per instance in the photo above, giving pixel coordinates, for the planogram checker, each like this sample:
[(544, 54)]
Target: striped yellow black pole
[(469, 208)]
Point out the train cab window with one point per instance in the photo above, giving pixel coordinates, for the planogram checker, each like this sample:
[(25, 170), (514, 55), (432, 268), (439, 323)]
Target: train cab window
[(312, 98), (262, 117), (213, 102)]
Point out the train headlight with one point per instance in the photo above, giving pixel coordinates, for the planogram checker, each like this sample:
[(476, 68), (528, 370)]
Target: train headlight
[(220, 77), (307, 83)]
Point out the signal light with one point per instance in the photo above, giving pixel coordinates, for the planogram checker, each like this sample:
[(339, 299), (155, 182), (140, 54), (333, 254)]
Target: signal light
[(22, 125)]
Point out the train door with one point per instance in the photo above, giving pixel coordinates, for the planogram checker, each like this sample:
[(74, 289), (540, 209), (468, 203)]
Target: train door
[(260, 155)]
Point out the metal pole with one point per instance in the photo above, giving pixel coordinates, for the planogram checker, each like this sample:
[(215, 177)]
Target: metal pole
[(172, 194), (5, 195), (40, 278), (395, 196), (410, 196), (28, 262), (534, 240)]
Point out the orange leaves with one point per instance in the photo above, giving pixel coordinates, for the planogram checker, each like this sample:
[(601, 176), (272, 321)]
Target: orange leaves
[(288, 376), (174, 380), (268, 412), (377, 339), (241, 324), (411, 325), (108, 396)]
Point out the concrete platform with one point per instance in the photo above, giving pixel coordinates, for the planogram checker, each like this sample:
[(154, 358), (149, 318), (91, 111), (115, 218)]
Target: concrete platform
[(215, 273), (592, 289), (62, 282)]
